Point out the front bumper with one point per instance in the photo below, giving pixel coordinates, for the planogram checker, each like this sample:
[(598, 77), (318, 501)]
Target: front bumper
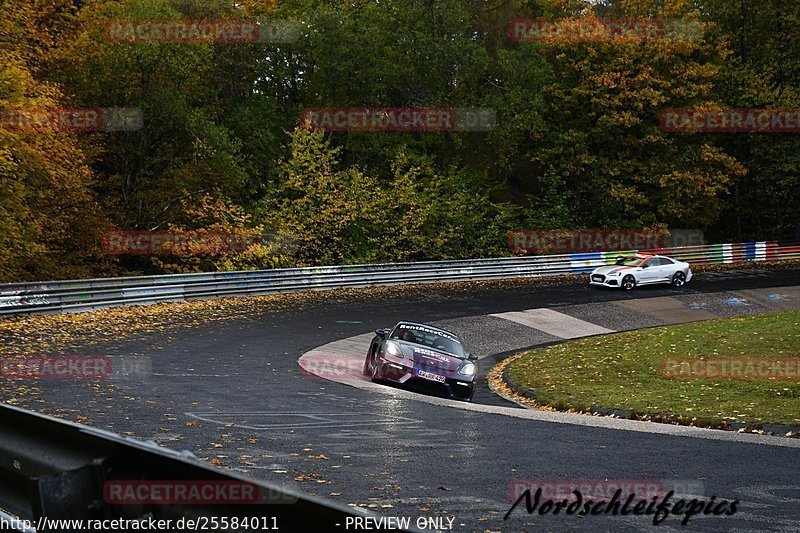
[(599, 280), (457, 388)]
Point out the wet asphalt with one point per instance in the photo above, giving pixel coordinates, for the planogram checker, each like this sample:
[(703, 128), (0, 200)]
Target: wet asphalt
[(235, 392)]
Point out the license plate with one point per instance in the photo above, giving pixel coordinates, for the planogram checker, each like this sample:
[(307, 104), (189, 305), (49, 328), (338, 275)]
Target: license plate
[(430, 377), (598, 278)]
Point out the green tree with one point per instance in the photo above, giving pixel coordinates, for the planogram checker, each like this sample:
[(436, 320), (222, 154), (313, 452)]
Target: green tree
[(331, 211), (762, 72)]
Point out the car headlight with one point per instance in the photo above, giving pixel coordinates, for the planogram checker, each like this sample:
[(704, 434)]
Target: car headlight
[(393, 349), (468, 369), (613, 274)]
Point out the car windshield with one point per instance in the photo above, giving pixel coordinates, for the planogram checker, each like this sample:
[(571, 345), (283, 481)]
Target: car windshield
[(433, 338), (631, 260)]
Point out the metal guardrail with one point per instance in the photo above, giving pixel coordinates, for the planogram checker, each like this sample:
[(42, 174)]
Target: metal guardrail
[(60, 470), (90, 294)]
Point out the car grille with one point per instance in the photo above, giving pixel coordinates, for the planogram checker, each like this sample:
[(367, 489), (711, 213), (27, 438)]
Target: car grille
[(598, 278)]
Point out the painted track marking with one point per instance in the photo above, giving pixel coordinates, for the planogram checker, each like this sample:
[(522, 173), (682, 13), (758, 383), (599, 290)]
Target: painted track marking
[(554, 323)]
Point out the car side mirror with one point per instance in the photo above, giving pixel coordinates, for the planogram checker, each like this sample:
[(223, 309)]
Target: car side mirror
[(381, 333), (472, 357), (645, 266)]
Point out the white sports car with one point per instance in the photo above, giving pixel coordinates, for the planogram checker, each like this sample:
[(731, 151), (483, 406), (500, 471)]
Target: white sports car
[(641, 269)]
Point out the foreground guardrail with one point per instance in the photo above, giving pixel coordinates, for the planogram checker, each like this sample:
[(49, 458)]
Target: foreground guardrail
[(60, 471), (91, 294)]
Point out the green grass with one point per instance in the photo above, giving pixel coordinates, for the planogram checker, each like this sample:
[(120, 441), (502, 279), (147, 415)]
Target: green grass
[(622, 371)]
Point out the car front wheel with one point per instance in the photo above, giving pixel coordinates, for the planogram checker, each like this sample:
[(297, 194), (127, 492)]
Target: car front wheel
[(628, 282), (679, 279), (377, 373)]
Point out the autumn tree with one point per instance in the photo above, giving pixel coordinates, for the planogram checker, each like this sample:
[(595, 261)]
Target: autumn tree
[(49, 220)]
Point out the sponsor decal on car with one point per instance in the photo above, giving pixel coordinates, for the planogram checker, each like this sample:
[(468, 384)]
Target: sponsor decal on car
[(432, 331), (437, 357)]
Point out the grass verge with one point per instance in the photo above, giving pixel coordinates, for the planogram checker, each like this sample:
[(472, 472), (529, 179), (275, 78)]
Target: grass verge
[(624, 372)]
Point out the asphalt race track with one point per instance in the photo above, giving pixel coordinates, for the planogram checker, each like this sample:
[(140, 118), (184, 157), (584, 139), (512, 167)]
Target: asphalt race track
[(235, 392)]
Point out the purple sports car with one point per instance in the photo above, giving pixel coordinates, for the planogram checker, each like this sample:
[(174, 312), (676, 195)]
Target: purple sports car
[(423, 357)]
